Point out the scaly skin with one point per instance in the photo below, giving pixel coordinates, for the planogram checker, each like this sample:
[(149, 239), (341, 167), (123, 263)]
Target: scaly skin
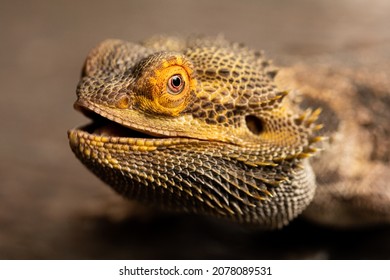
[(197, 125), (352, 171)]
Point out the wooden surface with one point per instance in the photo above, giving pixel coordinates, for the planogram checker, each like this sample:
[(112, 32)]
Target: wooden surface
[(51, 207)]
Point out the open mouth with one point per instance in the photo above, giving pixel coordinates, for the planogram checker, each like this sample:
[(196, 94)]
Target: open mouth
[(101, 126), (104, 127)]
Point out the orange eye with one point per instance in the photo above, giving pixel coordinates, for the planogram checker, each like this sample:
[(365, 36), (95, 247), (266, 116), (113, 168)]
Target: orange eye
[(167, 85), (175, 84)]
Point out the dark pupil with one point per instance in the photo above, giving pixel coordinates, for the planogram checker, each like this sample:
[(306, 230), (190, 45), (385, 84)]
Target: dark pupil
[(176, 81)]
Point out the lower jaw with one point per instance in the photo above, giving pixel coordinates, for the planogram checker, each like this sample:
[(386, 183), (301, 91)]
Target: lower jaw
[(105, 133)]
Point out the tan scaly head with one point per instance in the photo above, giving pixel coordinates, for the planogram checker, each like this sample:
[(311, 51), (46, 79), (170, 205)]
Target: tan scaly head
[(195, 125)]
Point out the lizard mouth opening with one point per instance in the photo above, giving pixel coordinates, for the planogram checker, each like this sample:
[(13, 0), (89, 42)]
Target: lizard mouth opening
[(101, 126)]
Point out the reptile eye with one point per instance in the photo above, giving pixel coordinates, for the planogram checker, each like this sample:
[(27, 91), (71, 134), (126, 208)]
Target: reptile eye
[(175, 84)]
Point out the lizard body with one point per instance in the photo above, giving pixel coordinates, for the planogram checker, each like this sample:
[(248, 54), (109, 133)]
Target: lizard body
[(352, 171), (201, 125)]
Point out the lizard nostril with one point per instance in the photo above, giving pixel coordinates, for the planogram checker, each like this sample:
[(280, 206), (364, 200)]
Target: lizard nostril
[(254, 124)]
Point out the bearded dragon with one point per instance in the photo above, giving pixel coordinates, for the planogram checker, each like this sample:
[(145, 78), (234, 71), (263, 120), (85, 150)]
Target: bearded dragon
[(203, 125)]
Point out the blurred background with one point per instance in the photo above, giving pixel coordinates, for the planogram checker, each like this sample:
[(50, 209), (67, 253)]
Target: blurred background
[(51, 207)]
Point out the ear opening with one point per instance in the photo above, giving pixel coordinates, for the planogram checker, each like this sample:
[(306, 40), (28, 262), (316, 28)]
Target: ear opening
[(254, 124)]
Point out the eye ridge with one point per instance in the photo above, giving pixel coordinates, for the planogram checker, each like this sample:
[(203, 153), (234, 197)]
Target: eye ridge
[(175, 84)]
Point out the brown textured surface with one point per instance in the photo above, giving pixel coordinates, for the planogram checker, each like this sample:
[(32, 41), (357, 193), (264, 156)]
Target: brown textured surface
[(50, 207)]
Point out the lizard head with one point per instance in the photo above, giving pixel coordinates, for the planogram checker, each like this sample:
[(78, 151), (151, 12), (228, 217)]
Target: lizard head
[(170, 98)]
